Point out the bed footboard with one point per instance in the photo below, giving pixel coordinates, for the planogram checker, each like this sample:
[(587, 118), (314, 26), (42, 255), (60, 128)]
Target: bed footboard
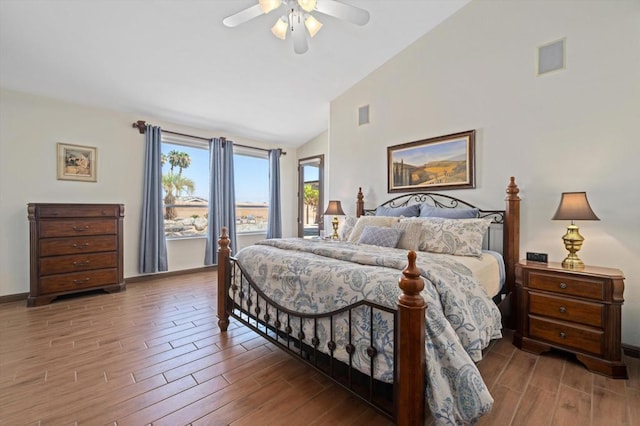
[(407, 401)]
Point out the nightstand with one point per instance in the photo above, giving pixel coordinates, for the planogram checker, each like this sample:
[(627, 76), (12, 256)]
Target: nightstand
[(575, 310)]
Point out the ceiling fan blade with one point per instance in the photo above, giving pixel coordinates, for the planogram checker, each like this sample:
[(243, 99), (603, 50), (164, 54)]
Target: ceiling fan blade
[(344, 11), (242, 16), (298, 33)]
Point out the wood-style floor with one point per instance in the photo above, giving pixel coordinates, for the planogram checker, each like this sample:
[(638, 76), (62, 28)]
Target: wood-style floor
[(154, 354)]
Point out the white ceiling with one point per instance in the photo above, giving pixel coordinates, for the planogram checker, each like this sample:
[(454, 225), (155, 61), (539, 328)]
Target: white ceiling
[(173, 59)]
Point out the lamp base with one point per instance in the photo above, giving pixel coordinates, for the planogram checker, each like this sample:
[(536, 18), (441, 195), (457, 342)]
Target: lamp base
[(573, 243), (335, 224), (572, 261)]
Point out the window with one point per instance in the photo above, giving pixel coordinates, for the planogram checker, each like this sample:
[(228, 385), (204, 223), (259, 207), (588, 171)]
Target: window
[(185, 184), (251, 174)]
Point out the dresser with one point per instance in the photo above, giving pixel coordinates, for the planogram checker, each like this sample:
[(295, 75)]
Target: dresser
[(574, 310), (74, 248)]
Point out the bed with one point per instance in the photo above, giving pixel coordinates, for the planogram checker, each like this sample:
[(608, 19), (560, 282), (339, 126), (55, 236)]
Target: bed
[(395, 327)]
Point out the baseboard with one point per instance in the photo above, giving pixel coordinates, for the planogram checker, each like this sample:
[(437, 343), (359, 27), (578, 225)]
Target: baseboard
[(132, 280), (13, 297), (149, 277), (632, 351)]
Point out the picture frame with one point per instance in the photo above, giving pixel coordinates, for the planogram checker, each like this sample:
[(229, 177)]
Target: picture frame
[(77, 162), (440, 163)]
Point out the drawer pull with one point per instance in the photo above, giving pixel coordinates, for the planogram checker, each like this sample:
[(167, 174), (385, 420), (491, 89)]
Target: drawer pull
[(80, 246), (82, 281), (563, 286), (563, 335), (80, 228), (563, 310), (83, 263)]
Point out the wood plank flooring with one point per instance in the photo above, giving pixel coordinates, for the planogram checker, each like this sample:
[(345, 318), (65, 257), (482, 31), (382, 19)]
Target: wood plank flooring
[(154, 355)]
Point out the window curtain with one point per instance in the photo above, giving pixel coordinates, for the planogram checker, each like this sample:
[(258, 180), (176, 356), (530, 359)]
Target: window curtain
[(274, 226), (222, 199), (153, 244)]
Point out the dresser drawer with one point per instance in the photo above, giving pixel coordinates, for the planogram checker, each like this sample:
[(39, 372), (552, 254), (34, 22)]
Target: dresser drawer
[(69, 210), (573, 336), (62, 246), (77, 227), (566, 284), (588, 313), (73, 263), (77, 281)]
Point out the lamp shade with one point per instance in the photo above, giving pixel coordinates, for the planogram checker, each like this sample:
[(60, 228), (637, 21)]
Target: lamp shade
[(268, 5), (574, 206), (313, 25), (334, 208), (280, 28)]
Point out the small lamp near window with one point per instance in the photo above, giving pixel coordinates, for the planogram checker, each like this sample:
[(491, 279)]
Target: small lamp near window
[(573, 206), (334, 208)]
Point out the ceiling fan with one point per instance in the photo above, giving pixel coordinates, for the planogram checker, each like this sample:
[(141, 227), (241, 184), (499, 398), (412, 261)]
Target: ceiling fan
[(297, 15)]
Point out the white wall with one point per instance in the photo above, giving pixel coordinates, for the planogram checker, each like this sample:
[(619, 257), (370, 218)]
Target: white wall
[(30, 127), (571, 130)]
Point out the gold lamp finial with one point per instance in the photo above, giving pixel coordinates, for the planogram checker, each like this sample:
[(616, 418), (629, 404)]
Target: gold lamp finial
[(334, 208), (573, 206)]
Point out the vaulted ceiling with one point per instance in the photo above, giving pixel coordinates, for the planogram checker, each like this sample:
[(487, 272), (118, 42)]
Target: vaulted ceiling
[(175, 60)]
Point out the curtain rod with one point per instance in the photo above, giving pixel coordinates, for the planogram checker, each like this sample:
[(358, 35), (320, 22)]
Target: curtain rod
[(141, 125)]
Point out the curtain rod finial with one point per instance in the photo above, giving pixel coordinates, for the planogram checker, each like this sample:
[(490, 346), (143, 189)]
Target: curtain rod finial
[(141, 125)]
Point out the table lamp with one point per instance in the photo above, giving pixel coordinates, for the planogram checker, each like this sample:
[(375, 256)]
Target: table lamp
[(334, 208), (573, 206)]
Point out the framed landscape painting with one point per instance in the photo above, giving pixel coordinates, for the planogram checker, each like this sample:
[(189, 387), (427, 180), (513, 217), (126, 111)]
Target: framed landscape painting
[(77, 162), (444, 162)]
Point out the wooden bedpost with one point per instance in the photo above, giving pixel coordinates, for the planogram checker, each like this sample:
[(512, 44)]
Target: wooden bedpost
[(511, 247), (360, 203), (410, 351), (223, 278)]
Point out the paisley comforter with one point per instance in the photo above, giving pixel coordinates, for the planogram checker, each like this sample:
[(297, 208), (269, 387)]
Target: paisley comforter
[(312, 276)]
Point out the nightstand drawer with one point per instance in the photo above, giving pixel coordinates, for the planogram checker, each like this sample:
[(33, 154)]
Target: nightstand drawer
[(566, 309), (567, 284), (75, 228), (577, 337)]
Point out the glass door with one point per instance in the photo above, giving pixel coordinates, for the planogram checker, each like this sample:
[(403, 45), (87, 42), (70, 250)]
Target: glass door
[(310, 196)]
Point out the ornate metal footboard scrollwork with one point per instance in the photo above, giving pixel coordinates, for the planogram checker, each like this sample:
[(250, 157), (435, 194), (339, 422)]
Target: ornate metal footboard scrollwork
[(312, 338)]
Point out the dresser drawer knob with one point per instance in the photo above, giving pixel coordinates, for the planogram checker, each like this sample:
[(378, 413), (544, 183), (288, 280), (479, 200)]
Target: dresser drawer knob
[(80, 246), (80, 228), (563, 335), (82, 281), (563, 310), (563, 286), (82, 263)]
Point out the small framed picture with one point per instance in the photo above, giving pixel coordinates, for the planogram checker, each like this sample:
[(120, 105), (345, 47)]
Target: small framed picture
[(77, 162)]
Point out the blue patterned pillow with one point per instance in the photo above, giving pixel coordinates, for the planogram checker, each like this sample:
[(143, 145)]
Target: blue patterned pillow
[(380, 236), (406, 211), (465, 213)]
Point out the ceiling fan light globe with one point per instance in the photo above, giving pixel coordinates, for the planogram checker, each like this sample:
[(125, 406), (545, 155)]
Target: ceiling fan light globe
[(312, 24), (268, 5), (280, 28), (307, 5)]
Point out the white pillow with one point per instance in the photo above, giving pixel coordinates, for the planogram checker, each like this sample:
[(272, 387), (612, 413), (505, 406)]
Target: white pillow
[(347, 227), (385, 221), (462, 237), (411, 231)]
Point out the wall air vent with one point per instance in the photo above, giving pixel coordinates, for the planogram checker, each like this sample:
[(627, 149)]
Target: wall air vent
[(551, 57)]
